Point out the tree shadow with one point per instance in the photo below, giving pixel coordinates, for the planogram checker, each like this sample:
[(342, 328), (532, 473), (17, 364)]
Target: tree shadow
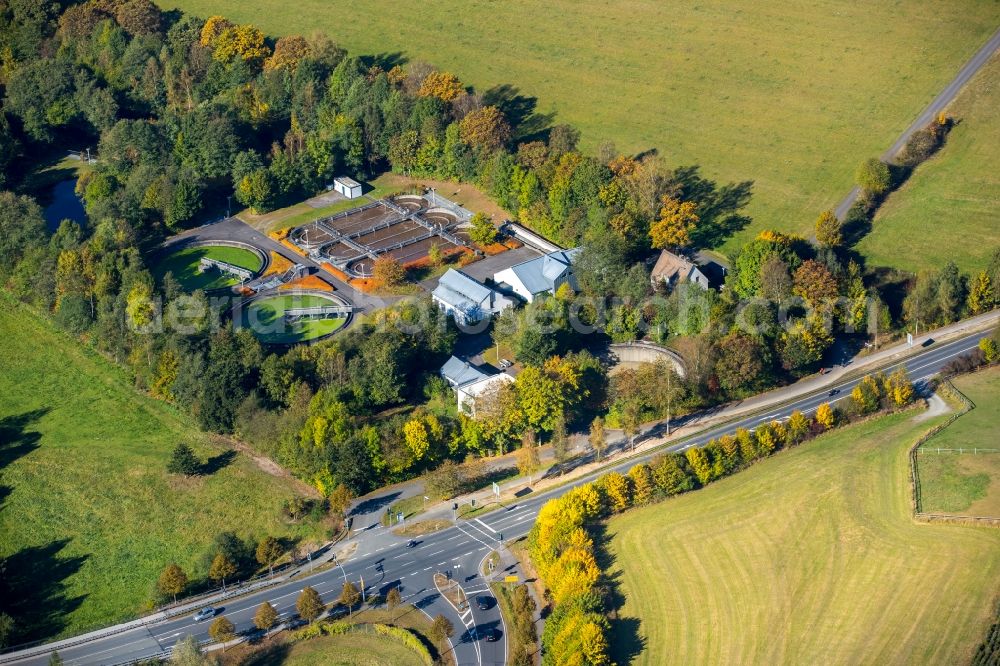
[(15, 440), (625, 640), (718, 206), (33, 590), (386, 60), (374, 504), (271, 655), (219, 462), (520, 111)]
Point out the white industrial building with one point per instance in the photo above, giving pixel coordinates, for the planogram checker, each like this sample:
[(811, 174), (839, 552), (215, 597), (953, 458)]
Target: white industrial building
[(467, 300), (542, 275), (349, 187)]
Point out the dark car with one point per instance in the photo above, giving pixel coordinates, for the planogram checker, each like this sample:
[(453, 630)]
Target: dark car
[(411, 543), (834, 391), (492, 635), (484, 602)]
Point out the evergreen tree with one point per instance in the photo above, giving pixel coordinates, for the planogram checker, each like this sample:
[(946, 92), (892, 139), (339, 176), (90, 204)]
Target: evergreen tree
[(183, 461)]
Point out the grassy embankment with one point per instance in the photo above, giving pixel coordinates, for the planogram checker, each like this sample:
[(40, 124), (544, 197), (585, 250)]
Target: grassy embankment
[(792, 95), (90, 516), (965, 483), (184, 266), (268, 313), (809, 557), (949, 209)]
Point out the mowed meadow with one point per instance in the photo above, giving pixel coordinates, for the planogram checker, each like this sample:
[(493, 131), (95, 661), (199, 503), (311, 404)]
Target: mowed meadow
[(790, 94), (949, 209), (808, 557), (89, 514)]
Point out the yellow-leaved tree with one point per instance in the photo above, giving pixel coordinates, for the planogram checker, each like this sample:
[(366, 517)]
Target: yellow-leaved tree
[(825, 416), (443, 85), (673, 227)]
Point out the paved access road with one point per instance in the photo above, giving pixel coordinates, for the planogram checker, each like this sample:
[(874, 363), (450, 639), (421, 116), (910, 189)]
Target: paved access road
[(940, 102), (384, 560)]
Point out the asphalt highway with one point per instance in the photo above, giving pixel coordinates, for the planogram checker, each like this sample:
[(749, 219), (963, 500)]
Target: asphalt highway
[(384, 561)]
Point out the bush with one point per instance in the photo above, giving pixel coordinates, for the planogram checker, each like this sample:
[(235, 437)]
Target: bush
[(921, 146)]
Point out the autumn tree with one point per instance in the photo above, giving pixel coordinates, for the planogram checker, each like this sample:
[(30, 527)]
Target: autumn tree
[(349, 596), (441, 628), (670, 475), (482, 231), (700, 464), (873, 176), (527, 456), (631, 420), (443, 85), (981, 296), (265, 617), (598, 439), (485, 128), (825, 416), (288, 52), (643, 485), (899, 387), (172, 581), (393, 599), (741, 362), (309, 604), (222, 631), (828, 231), (867, 395), (676, 222), (244, 43), (814, 283), (775, 281), (222, 568), (618, 489), (388, 272), (340, 499), (798, 427), (268, 552), (213, 27)]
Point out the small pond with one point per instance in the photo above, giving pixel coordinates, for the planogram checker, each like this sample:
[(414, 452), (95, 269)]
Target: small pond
[(65, 206)]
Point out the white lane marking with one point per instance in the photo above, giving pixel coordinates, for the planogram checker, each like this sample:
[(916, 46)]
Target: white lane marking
[(473, 536), (486, 526)]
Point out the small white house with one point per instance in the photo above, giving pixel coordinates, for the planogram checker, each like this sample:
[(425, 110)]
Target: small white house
[(468, 394), (541, 275), (349, 187), (467, 300), (469, 383)]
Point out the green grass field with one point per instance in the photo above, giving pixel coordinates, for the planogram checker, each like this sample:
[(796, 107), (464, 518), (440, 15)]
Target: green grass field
[(950, 207), (264, 317), (790, 94), (810, 557), (90, 516), (184, 266), (355, 649), (965, 483)]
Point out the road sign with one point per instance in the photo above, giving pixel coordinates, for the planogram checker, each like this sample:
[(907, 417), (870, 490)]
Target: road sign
[(909, 339), (510, 579), (496, 489)]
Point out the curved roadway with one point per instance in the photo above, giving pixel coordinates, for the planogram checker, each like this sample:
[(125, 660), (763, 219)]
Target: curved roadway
[(459, 550)]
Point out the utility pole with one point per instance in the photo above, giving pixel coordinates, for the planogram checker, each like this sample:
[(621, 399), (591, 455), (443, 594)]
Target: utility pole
[(669, 373)]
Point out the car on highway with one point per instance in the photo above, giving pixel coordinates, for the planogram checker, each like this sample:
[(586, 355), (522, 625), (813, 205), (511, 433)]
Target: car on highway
[(411, 543), (484, 602), (204, 614), (492, 635), (834, 392)]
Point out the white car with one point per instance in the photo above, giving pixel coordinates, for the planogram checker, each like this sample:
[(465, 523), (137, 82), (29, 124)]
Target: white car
[(204, 614)]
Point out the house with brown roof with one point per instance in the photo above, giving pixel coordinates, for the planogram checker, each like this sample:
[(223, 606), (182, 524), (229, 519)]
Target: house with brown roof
[(671, 269)]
